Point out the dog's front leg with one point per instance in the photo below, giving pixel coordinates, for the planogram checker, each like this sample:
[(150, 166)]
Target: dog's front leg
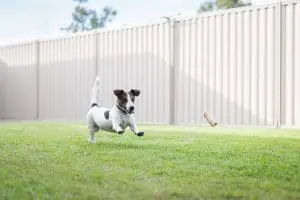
[(134, 128), (116, 126)]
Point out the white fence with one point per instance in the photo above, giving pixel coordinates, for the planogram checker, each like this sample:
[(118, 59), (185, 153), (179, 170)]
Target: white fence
[(241, 65)]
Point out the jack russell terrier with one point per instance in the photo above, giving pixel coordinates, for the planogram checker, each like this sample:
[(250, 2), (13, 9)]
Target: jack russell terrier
[(116, 119)]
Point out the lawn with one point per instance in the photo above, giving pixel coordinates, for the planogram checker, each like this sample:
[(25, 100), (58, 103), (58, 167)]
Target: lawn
[(54, 161)]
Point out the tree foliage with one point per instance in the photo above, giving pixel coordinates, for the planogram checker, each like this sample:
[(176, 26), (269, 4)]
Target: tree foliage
[(84, 18), (221, 4)]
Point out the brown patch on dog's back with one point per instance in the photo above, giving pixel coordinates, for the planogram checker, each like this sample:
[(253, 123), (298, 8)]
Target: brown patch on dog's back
[(106, 114)]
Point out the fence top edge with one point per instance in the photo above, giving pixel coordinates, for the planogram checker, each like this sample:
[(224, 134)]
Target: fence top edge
[(85, 33), (286, 2), (17, 44), (237, 10)]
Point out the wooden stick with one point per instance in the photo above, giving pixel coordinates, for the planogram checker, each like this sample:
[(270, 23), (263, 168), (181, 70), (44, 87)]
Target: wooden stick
[(211, 122)]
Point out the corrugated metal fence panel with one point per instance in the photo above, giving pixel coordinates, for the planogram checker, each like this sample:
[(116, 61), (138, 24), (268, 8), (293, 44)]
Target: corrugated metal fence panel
[(291, 65), (225, 66), (137, 58), (66, 75), (3, 74), (19, 62)]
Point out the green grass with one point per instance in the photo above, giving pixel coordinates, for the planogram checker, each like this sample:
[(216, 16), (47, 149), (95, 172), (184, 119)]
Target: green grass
[(54, 161)]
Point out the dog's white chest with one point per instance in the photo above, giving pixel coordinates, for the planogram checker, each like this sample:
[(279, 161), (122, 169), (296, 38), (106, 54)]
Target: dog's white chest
[(124, 122)]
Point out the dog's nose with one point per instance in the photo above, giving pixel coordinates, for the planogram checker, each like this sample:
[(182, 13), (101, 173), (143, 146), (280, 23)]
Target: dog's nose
[(131, 108)]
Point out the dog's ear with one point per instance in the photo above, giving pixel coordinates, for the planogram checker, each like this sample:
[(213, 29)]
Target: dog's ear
[(119, 92), (135, 92)]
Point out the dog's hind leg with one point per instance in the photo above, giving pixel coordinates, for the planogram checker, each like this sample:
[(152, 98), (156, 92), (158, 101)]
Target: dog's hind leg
[(93, 128), (92, 138), (95, 92)]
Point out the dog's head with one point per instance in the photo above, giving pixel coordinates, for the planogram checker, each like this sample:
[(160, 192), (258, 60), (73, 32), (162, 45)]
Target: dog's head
[(126, 99)]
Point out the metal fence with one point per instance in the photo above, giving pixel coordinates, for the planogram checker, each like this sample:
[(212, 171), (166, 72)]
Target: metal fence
[(241, 65)]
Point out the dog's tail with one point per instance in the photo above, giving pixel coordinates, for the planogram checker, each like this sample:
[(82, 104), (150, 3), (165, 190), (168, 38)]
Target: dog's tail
[(95, 92)]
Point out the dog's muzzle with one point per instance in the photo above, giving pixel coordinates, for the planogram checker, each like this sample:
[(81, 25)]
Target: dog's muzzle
[(131, 109)]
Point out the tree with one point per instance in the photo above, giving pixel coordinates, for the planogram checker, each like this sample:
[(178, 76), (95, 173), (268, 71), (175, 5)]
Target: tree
[(84, 18), (221, 4), (207, 6)]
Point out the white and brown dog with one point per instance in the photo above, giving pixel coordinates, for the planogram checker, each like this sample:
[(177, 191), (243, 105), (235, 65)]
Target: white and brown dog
[(116, 119)]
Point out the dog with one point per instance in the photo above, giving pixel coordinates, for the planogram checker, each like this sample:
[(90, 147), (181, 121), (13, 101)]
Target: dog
[(115, 119)]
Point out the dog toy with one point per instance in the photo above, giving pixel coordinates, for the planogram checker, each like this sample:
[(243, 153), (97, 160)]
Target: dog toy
[(211, 122)]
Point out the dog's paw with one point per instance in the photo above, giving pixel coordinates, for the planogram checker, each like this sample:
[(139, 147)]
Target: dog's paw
[(140, 134), (92, 141)]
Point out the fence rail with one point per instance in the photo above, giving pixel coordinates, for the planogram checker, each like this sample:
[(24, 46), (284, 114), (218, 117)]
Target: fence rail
[(240, 65)]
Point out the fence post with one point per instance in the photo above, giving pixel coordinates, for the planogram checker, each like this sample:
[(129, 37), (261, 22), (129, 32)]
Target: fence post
[(37, 54), (279, 63), (95, 41), (172, 50)]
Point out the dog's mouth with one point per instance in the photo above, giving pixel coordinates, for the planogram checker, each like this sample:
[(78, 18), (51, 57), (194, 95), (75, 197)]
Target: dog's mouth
[(130, 111)]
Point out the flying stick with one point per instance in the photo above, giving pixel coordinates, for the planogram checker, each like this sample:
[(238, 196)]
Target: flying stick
[(211, 122)]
